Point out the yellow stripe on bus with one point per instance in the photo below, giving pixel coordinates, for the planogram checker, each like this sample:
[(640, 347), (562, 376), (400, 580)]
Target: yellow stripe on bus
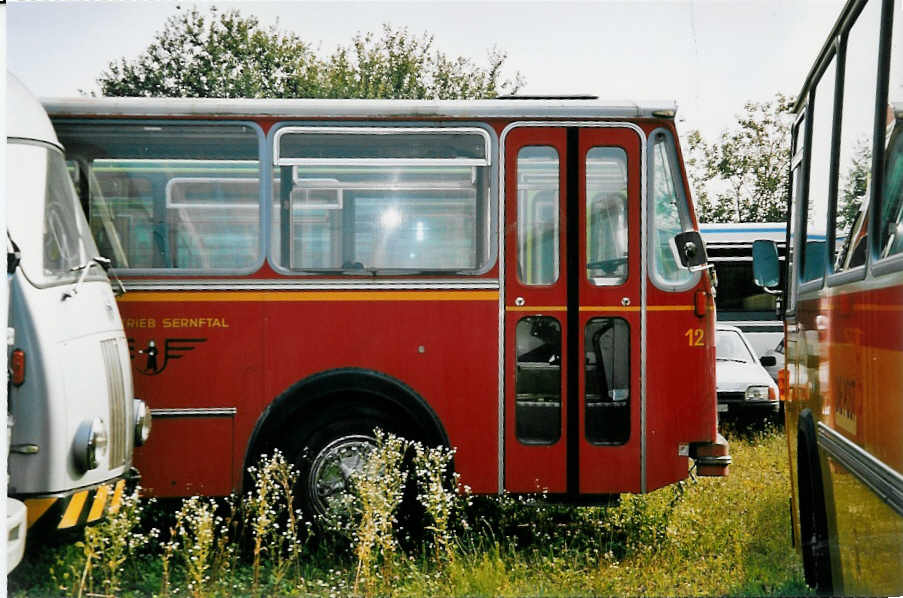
[(74, 510), (37, 507), (281, 296), (618, 308), (636, 308), (536, 308), (100, 501), (117, 497)]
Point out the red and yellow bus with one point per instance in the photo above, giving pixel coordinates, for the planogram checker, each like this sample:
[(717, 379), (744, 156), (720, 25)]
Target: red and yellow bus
[(843, 384), (497, 276)]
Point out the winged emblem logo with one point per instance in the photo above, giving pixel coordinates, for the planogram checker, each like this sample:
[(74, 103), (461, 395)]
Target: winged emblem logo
[(173, 348)]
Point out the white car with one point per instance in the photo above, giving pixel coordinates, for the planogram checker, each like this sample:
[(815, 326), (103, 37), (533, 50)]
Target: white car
[(743, 384), (778, 354)]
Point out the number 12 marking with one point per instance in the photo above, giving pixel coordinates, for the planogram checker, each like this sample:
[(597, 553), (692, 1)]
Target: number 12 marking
[(695, 336)]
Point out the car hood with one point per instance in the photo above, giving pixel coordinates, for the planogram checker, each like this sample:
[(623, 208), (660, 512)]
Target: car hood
[(733, 376)]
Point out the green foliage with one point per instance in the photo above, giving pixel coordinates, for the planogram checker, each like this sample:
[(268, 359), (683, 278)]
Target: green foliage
[(227, 55), (743, 177), (706, 536)]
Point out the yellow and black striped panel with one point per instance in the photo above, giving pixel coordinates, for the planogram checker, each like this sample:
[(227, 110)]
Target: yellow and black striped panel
[(78, 508)]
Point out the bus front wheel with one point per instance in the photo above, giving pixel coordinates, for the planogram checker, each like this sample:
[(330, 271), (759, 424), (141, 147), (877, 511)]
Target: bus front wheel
[(813, 516)]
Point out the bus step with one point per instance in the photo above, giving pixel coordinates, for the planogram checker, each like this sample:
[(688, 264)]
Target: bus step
[(712, 458)]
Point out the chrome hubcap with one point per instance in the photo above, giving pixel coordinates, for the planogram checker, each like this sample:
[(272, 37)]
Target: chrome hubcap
[(329, 484)]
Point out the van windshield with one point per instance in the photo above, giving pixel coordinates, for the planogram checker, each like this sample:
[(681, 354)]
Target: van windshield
[(53, 235)]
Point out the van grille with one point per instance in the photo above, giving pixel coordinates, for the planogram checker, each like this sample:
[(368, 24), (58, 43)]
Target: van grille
[(116, 393)]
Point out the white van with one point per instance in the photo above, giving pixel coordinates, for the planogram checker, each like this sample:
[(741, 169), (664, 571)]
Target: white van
[(75, 418)]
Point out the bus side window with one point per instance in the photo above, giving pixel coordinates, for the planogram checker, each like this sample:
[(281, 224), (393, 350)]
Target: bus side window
[(813, 262), (170, 196), (381, 200), (856, 135)]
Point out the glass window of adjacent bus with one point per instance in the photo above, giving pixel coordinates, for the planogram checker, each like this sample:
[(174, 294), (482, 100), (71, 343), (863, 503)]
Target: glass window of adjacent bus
[(892, 190), (370, 199), (796, 190), (668, 213), (819, 170), (606, 215), (537, 215), (171, 196), (856, 135)]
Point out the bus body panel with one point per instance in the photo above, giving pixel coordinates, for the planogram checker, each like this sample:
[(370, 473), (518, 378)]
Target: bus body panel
[(213, 352), (246, 348), (845, 364)]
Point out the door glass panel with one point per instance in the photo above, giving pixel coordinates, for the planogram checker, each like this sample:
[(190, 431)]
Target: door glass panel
[(606, 215), (537, 215), (607, 397), (537, 405)]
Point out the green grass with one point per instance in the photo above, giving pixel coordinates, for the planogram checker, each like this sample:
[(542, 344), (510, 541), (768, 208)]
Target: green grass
[(704, 537)]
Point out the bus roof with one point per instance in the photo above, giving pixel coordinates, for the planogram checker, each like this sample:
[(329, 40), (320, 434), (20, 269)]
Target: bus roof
[(317, 108), (25, 119)]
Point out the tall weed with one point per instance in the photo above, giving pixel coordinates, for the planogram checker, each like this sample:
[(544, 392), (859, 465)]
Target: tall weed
[(378, 488)]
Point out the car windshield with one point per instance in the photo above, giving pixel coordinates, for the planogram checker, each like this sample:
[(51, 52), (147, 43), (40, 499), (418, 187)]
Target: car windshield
[(730, 347)]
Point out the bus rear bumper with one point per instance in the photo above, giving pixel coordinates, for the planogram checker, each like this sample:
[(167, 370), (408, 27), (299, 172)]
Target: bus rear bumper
[(712, 458)]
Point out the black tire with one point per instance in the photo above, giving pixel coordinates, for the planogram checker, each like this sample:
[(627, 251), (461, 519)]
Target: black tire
[(813, 517)]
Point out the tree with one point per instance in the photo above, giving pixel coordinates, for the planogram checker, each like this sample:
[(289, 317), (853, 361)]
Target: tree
[(227, 55), (743, 177), (853, 185)]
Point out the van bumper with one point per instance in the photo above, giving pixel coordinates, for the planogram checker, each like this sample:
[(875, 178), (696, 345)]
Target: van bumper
[(78, 507), (15, 532)]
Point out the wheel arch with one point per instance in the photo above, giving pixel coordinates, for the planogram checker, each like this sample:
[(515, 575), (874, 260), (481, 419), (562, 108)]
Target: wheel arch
[(320, 396)]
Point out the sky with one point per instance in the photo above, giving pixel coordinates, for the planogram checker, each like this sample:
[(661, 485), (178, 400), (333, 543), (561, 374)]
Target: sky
[(710, 56)]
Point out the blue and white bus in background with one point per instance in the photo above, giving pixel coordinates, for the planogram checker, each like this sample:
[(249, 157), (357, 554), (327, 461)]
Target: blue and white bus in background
[(739, 302)]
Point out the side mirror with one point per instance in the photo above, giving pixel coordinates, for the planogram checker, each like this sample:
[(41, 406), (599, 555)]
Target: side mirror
[(768, 361), (13, 255), (766, 269), (691, 250)]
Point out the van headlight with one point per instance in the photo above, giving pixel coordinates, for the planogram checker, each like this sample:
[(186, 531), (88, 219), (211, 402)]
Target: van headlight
[(90, 444), (757, 393), (142, 422)]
